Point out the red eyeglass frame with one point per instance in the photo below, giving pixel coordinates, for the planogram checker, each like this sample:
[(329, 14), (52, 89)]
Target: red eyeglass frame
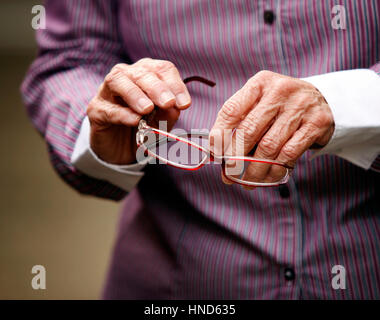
[(144, 128)]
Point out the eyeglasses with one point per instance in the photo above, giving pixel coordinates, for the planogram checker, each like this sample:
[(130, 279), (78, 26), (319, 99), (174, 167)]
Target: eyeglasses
[(189, 151)]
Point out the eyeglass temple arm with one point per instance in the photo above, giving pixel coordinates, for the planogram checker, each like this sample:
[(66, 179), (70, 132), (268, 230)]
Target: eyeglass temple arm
[(200, 79)]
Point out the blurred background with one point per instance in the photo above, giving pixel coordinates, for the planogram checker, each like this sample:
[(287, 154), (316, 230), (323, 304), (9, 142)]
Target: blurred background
[(42, 220)]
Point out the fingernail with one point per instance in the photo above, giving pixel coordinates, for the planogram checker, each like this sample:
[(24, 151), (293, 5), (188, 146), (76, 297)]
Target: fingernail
[(144, 104), (183, 99), (166, 97)]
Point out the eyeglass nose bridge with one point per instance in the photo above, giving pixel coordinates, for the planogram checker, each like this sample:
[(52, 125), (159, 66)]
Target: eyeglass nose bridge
[(140, 132), (142, 125)]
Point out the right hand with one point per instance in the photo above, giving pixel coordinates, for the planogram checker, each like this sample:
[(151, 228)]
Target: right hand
[(127, 93)]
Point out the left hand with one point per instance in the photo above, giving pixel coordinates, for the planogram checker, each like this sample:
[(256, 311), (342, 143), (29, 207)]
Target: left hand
[(283, 116)]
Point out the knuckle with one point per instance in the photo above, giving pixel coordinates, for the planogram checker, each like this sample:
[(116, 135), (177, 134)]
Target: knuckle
[(130, 90), (240, 136), (144, 61), (302, 102), (306, 85), (109, 114), (324, 119), (109, 79), (249, 126), (253, 84), (290, 151), (96, 112), (119, 66), (269, 146), (282, 84), (116, 73), (155, 84), (174, 80), (264, 74), (176, 88), (228, 110), (164, 65), (91, 108), (137, 73), (310, 132)]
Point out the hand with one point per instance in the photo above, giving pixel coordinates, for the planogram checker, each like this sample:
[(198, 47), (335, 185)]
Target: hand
[(127, 93), (281, 116)]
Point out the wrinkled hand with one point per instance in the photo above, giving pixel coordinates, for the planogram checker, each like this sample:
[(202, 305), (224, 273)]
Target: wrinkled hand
[(281, 116), (127, 93)]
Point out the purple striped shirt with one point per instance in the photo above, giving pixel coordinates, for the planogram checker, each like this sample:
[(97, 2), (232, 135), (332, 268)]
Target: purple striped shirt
[(185, 234)]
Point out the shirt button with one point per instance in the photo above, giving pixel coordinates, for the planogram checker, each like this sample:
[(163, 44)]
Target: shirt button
[(289, 274), (269, 16), (284, 191)]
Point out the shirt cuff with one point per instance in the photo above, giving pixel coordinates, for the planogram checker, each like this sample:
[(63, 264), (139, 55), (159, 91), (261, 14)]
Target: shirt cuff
[(354, 98), (85, 160)]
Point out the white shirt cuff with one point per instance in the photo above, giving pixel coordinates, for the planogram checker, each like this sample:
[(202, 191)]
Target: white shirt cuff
[(354, 98), (84, 159)]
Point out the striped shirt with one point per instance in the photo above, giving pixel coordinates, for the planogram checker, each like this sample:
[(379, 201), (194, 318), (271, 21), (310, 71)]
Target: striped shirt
[(185, 234)]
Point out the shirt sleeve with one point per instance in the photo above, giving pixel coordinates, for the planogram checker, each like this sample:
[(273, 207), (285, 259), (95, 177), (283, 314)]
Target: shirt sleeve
[(85, 159), (76, 50), (354, 98)]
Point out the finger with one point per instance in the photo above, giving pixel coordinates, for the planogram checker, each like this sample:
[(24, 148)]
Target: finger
[(232, 169), (265, 173), (271, 144), (168, 73), (156, 89), (103, 112), (297, 145), (293, 149), (254, 125), (225, 179), (231, 113), (119, 84), (167, 117), (235, 108)]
